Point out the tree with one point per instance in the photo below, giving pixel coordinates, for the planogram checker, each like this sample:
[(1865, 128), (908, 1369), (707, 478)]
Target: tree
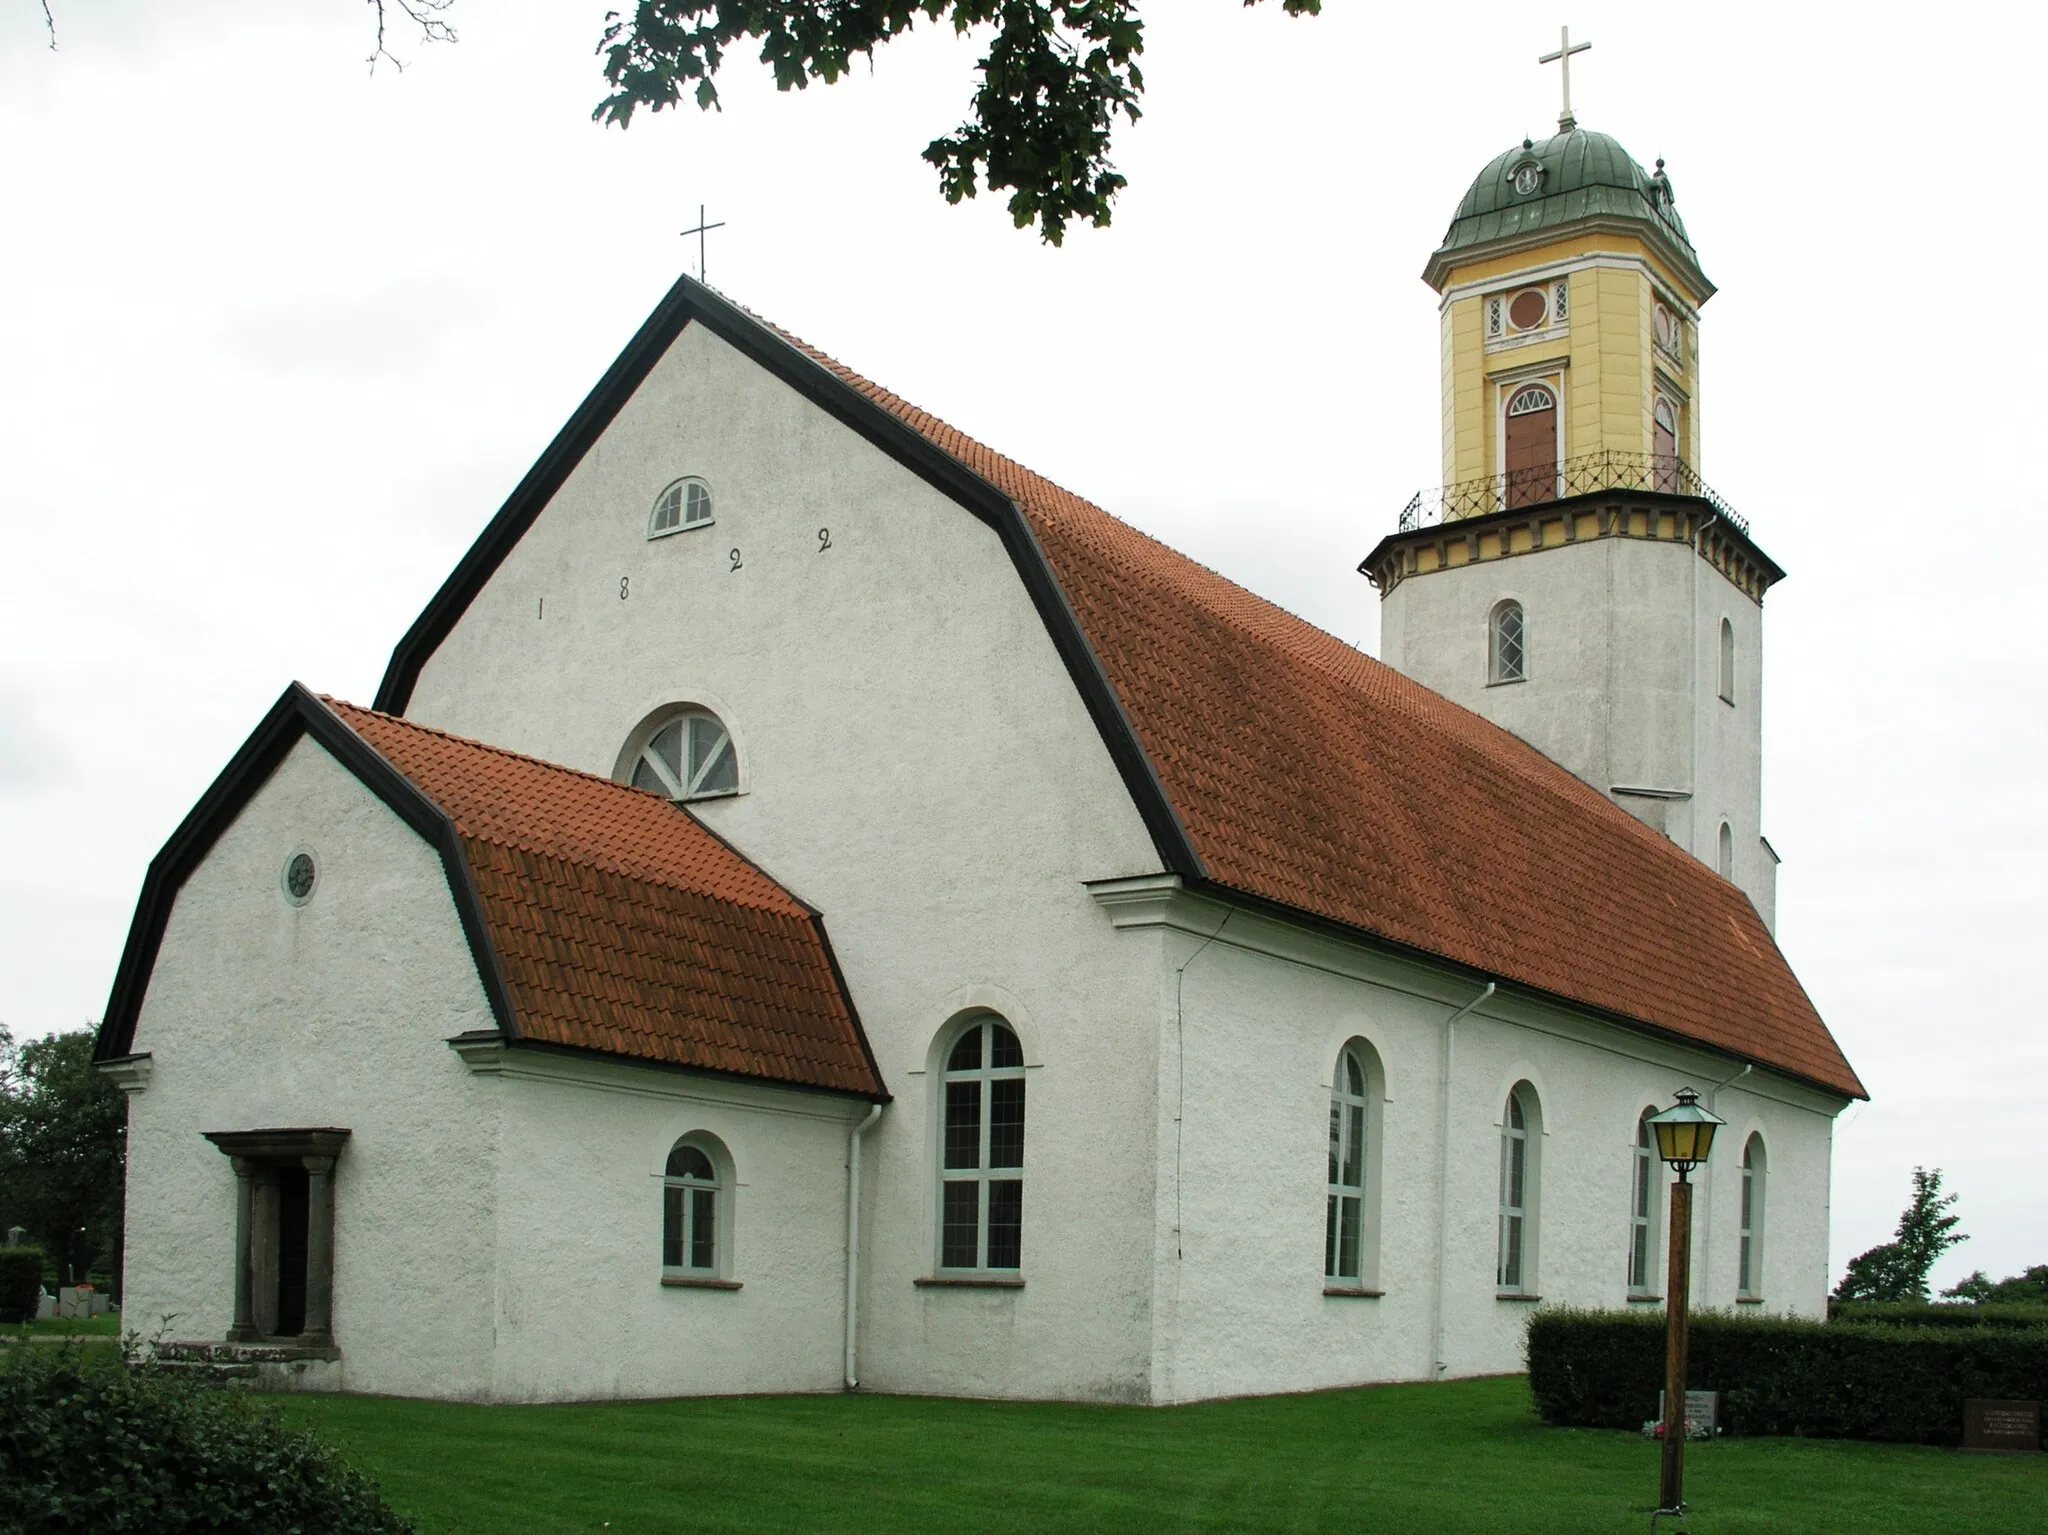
[(1056, 76), (2027, 1288), (63, 1150), (1897, 1270)]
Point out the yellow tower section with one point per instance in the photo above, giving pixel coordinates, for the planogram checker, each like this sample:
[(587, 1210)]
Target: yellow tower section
[(1570, 329)]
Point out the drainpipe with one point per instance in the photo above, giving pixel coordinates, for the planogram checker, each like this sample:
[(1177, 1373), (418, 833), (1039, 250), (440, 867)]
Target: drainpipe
[(1443, 1224), (853, 1243), (1706, 1248)]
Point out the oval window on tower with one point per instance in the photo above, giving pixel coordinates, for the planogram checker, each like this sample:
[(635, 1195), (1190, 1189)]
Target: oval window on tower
[(1528, 309)]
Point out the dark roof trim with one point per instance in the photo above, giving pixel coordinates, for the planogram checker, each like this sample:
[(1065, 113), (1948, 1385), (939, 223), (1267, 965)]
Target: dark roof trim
[(1460, 526), (297, 713), (690, 301), (1298, 916)]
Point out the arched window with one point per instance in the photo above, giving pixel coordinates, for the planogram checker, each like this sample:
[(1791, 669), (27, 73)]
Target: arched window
[(690, 1224), (1507, 644), (1529, 462), (981, 1175), (1725, 853), (1642, 1212), (1351, 1214), (1520, 1125), (1749, 1276), (1727, 661), (689, 755), (1665, 433), (684, 503)]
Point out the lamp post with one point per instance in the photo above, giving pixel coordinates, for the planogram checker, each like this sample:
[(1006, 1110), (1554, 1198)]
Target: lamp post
[(1685, 1134)]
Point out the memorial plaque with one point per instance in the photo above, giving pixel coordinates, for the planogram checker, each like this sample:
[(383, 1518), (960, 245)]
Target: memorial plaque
[(1702, 1413), (2001, 1428)]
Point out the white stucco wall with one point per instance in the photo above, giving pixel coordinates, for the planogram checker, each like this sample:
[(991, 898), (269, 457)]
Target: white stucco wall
[(1623, 680), (1262, 1011), (915, 762), (260, 1015), (581, 1311)]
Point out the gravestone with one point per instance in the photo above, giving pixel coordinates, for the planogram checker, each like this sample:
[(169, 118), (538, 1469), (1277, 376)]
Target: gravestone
[(1702, 1413), (16, 1235), (2001, 1428), (46, 1305)]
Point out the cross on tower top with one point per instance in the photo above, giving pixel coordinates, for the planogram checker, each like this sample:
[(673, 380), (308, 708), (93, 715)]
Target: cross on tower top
[(1563, 58)]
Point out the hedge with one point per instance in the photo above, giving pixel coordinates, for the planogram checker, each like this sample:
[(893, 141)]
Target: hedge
[(1938, 1314), (89, 1444), (21, 1283), (1779, 1375)]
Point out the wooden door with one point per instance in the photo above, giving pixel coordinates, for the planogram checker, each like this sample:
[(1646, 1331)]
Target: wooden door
[(1531, 459)]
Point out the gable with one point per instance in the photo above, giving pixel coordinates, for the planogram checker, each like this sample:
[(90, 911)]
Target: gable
[(599, 918), (1276, 765)]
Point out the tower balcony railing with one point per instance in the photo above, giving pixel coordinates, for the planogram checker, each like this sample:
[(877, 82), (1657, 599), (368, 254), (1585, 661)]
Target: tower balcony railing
[(1588, 474)]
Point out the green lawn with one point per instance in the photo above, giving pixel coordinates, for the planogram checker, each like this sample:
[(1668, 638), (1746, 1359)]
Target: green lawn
[(108, 1326), (1469, 1456)]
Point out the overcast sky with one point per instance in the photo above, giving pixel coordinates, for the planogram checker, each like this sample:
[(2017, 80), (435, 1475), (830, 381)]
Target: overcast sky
[(279, 334)]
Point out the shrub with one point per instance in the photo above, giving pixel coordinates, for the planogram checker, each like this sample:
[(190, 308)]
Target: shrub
[(1937, 1314), (21, 1283), (1843, 1380), (93, 1445)]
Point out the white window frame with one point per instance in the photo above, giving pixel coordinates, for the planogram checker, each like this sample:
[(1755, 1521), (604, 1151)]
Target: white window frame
[(681, 495), (1497, 674), (1749, 1253), (688, 784), (696, 1194), (983, 1176), (1515, 1252), (1352, 1168), (1645, 1202)]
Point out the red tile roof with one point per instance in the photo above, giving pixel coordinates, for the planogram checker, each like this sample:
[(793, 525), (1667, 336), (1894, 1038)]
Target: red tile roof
[(621, 923), (1309, 774)]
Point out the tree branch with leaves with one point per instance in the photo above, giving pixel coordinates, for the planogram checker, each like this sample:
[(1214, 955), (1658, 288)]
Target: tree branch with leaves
[(1055, 78)]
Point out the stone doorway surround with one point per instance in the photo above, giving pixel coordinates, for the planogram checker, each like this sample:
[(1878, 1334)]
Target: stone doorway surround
[(269, 1165)]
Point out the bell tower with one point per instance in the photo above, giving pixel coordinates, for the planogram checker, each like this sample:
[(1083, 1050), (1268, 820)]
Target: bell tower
[(1573, 579)]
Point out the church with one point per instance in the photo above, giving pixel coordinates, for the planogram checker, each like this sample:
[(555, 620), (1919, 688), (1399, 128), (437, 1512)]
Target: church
[(814, 904)]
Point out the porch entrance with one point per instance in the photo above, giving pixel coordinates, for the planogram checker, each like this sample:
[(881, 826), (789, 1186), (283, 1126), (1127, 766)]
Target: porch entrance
[(284, 1233)]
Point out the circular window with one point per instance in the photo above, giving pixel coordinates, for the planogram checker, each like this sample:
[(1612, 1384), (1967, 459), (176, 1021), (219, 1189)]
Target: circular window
[(684, 503), (299, 876), (1527, 177), (1528, 309)]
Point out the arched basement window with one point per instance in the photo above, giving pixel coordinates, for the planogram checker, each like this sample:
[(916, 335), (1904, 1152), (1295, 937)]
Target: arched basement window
[(1642, 1211), (689, 1211), (1749, 1278), (1520, 1123), (1507, 643), (981, 1174), (1349, 1238)]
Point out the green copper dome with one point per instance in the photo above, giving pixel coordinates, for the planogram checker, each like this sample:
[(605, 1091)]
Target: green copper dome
[(1560, 180)]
